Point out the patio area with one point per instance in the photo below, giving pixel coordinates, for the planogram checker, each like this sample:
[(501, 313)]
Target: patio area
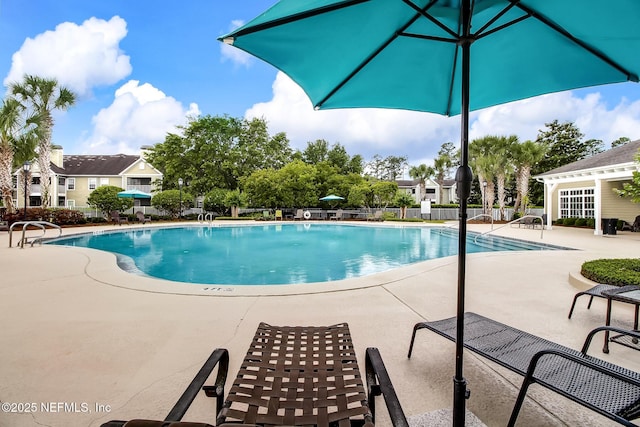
[(93, 343)]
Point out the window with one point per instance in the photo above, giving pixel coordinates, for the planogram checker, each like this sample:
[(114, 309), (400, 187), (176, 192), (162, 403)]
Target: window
[(92, 183), (577, 203), (104, 181), (71, 183), (71, 204)]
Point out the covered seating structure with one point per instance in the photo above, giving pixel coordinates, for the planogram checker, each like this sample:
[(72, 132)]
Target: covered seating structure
[(291, 375), (606, 388)]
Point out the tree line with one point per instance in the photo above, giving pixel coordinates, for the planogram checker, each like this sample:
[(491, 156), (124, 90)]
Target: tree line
[(236, 162)]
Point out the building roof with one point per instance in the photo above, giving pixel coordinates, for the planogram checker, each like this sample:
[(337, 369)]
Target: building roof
[(407, 182), (97, 164), (625, 153)]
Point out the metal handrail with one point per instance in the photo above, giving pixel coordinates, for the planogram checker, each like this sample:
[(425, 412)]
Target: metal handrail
[(513, 222), (208, 217), (25, 224), (472, 218)]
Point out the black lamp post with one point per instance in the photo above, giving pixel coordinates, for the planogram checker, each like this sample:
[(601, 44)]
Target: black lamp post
[(25, 169), (180, 182)]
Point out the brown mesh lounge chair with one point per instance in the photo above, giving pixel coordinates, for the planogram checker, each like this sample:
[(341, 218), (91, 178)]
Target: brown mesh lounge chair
[(142, 218), (116, 218), (291, 376)]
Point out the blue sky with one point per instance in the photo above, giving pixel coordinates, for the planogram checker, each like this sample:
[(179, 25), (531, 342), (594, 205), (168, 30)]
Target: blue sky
[(141, 67)]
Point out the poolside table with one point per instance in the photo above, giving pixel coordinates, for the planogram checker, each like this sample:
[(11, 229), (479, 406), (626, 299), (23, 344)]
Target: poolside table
[(630, 295)]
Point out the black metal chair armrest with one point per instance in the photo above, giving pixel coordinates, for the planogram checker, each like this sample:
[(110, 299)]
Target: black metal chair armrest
[(587, 341), (580, 359), (378, 382), (219, 356)]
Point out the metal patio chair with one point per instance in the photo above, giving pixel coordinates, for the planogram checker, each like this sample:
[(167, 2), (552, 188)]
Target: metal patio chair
[(291, 376)]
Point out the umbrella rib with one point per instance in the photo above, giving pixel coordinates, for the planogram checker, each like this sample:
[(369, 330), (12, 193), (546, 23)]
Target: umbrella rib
[(495, 18), (630, 76), (295, 17), (424, 14), (375, 53)]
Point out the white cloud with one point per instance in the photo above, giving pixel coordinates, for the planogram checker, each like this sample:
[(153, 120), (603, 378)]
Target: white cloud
[(139, 115), (362, 131), (78, 56), (420, 135)]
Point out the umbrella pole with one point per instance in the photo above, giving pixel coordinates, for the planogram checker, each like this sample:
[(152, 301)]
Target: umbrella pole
[(464, 177)]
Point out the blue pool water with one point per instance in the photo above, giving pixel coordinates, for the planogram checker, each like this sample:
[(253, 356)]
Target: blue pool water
[(280, 254)]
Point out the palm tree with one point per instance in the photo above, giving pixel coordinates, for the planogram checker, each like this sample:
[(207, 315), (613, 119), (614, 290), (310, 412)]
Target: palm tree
[(422, 173), (442, 166), (525, 156), (42, 96), (503, 148), (18, 138)]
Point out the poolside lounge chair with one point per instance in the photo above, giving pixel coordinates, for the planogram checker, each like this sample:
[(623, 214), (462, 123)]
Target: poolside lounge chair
[(278, 215), (595, 291), (291, 376), (116, 218), (636, 224), (299, 215), (338, 215), (142, 218), (608, 389)]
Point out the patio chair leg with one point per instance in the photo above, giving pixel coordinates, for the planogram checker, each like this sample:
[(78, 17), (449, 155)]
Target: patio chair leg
[(573, 305), (413, 337)]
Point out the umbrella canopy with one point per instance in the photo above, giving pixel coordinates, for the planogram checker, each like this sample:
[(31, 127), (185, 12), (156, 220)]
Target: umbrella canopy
[(134, 194), (445, 57), (331, 198)]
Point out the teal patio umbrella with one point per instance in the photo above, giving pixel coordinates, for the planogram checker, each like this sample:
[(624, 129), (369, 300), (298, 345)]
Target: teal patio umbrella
[(447, 57), (331, 198), (134, 194)]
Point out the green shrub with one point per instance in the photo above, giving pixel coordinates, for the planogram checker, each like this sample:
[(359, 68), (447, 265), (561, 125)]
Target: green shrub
[(580, 222), (559, 221), (591, 223), (618, 272), (569, 221)]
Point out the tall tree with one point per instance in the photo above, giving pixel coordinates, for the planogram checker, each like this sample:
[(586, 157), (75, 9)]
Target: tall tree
[(388, 168), (443, 164), (483, 160), (42, 96), (563, 145), (218, 152), (504, 146), (525, 157), (18, 139), (422, 173), (620, 141)]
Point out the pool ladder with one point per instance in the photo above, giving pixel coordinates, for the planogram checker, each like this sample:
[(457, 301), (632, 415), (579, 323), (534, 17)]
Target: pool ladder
[(26, 224), (208, 217)]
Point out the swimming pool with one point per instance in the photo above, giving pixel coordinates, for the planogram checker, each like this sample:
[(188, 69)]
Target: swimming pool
[(274, 254)]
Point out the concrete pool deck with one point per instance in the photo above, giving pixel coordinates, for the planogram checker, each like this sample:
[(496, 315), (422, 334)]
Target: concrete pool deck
[(86, 342)]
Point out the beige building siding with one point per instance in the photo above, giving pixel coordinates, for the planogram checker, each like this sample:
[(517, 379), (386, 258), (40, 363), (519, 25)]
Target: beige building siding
[(614, 206)]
